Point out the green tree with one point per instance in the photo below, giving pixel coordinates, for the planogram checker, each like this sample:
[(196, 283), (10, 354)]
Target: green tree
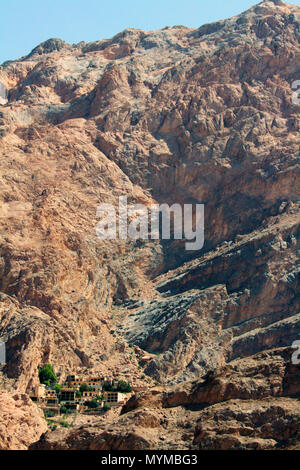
[(123, 386), (85, 388), (57, 388), (108, 386), (46, 375), (92, 404)]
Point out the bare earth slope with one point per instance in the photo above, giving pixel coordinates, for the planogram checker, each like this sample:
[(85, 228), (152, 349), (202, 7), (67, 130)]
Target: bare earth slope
[(177, 115)]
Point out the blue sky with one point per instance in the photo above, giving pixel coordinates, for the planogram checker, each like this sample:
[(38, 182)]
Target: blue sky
[(26, 23)]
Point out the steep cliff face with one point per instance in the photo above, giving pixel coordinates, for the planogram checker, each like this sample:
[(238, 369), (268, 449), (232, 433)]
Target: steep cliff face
[(178, 115), (235, 301)]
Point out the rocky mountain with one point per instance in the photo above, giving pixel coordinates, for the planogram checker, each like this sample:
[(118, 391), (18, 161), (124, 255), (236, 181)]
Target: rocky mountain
[(178, 115)]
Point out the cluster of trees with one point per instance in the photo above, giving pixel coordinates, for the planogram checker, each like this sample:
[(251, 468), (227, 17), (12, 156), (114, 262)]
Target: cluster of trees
[(122, 386), (65, 410), (85, 388), (46, 375), (95, 403)]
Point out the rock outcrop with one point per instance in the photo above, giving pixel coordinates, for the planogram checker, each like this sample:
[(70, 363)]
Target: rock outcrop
[(248, 425), (21, 422)]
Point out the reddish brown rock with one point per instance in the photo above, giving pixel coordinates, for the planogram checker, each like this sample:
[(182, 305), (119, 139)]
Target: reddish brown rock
[(21, 422), (244, 425)]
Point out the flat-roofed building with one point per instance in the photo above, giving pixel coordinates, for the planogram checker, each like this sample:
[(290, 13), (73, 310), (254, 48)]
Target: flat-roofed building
[(54, 408), (73, 381), (95, 382), (114, 398), (38, 393), (50, 398), (89, 395), (71, 405), (67, 394)]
